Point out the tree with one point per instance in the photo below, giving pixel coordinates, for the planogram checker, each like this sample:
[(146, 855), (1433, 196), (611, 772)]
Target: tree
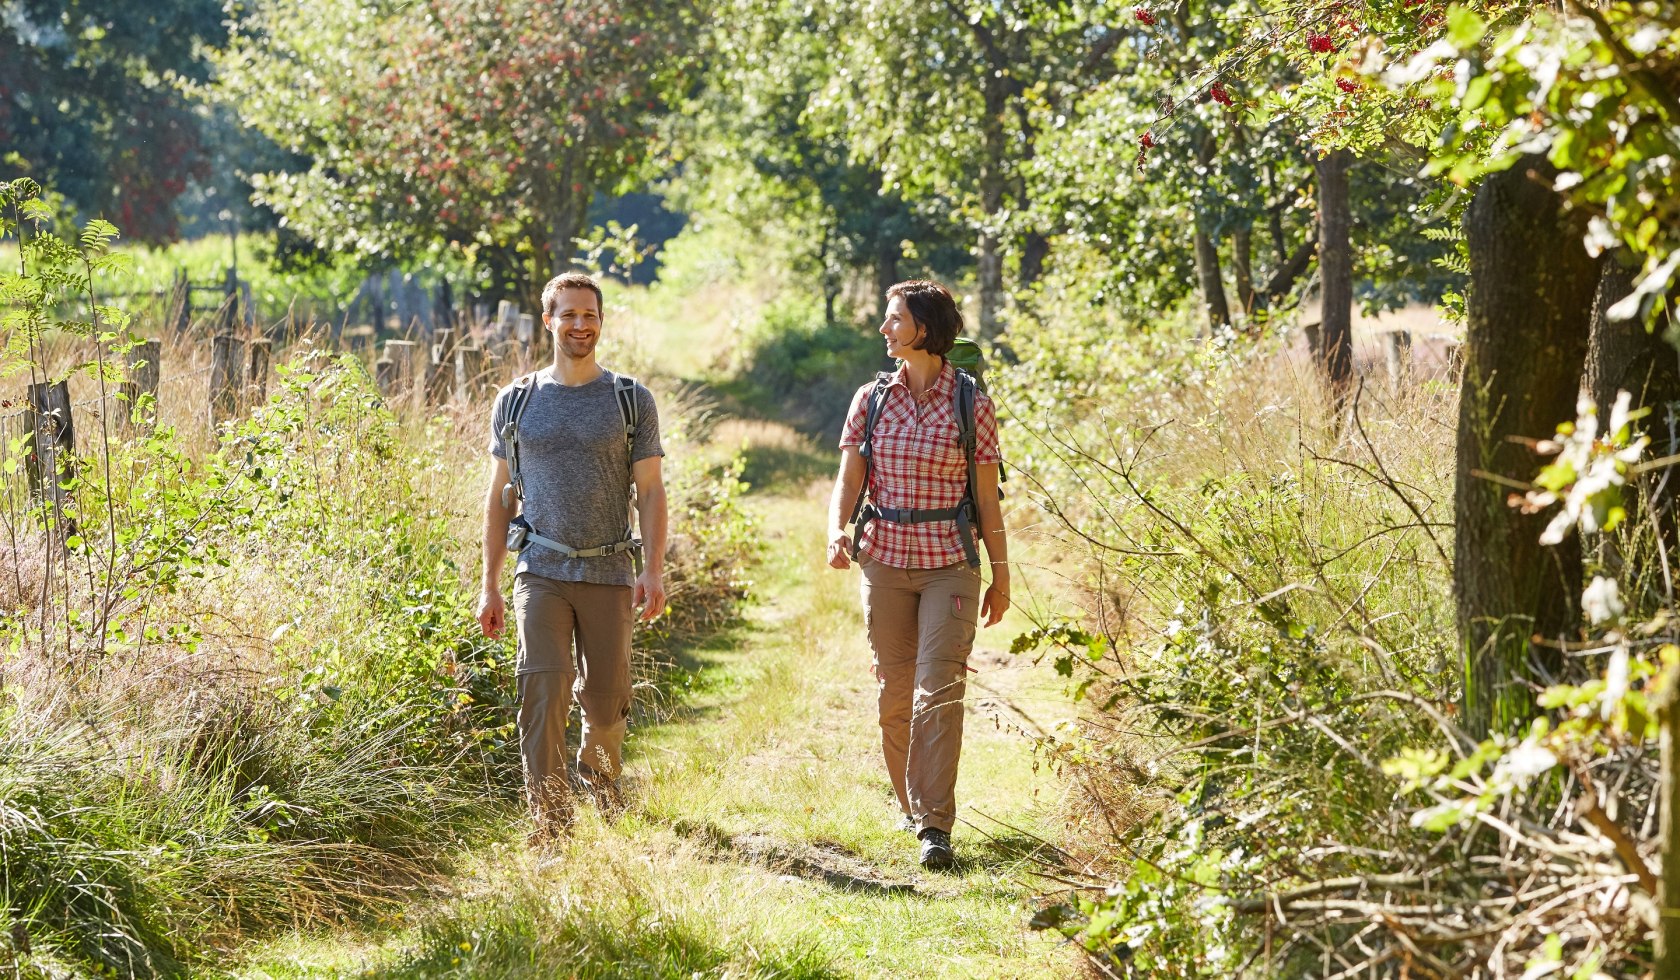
[(90, 102), (942, 97), (479, 125), (753, 147)]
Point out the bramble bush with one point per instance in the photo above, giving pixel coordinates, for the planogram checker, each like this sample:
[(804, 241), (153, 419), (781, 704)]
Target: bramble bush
[(1273, 776)]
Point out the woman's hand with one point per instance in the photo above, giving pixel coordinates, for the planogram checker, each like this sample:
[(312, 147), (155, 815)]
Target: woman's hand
[(839, 549), (995, 603)]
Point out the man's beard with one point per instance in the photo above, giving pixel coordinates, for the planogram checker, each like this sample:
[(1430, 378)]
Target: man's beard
[(577, 350)]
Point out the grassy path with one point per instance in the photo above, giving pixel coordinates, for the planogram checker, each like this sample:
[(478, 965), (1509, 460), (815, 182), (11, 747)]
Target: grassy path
[(759, 838)]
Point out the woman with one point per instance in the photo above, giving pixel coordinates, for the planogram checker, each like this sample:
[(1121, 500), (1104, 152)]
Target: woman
[(915, 544)]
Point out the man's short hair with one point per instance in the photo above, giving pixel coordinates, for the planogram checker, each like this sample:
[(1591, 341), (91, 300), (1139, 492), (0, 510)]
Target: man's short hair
[(570, 280), (934, 311)]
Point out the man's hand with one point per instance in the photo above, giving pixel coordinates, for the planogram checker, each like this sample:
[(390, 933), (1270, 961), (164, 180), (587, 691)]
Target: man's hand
[(650, 594), (839, 549), (492, 613)]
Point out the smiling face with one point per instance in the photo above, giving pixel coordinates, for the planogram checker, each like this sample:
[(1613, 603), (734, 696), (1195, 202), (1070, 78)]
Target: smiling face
[(899, 328), (576, 322)]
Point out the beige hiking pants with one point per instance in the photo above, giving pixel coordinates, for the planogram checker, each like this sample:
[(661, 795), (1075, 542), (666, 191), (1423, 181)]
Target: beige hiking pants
[(574, 638), (921, 627)]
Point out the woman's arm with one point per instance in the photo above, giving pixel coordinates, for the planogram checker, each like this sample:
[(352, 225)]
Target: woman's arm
[(996, 602), (848, 483)]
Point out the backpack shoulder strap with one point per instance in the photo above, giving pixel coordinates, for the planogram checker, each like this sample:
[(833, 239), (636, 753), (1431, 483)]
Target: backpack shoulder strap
[(872, 413), (519, 396), (624, 389)]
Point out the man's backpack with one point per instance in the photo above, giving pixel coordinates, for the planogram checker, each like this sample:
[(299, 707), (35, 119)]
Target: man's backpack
[(520, 531), (966, 513)]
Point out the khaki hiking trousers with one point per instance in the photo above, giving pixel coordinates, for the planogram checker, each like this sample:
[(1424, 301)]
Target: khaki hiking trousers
[(574, 639), (921, 628)]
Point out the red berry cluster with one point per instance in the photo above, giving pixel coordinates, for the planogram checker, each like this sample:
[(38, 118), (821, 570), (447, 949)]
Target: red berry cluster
[(1217, 93), (1147, 140), (1320, 43), (1144, 16), (1347, 84)]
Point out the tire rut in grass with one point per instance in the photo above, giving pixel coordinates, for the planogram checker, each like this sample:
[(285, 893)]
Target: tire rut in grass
[(829, 865)]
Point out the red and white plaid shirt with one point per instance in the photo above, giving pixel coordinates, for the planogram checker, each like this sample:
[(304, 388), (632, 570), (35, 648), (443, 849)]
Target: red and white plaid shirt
[(918, 465)]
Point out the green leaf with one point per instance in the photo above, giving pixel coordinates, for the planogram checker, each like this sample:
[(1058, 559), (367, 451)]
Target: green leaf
[(1464, 27)]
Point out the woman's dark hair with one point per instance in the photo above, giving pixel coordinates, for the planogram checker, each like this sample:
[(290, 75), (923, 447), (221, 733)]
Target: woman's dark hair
[(934, 311)]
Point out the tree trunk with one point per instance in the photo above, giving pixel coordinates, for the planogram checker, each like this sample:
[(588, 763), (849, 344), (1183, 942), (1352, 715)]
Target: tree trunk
[(1624, 356), (1035, 248), (992, 182), (1210, 279), (1242, 265), (1529, 311), (888, 252), (1335, 272)]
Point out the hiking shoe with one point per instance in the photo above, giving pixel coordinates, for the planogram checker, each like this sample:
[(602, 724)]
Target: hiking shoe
[(905, 824), (936, 850)]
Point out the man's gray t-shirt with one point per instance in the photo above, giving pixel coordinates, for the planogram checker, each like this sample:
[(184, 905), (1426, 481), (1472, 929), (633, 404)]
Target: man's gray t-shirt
[(577, 479)]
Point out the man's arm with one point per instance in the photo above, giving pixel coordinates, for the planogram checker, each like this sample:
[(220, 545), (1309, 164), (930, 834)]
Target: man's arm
[(653, 520), (848, 483), (491, 607), (996, 601)]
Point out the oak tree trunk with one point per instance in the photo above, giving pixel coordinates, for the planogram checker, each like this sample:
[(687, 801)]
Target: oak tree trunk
[(1622, 355), (1212, 281), (1242, 265), (1529, 308), (1335, 272)]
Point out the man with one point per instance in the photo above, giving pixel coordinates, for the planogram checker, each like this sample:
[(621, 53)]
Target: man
[(573, 464)]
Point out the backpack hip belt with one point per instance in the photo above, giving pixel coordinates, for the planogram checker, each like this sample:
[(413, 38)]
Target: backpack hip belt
[(963, 513)]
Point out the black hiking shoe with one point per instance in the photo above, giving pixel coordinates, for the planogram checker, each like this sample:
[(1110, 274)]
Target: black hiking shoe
[(936, 850), (905, 824)]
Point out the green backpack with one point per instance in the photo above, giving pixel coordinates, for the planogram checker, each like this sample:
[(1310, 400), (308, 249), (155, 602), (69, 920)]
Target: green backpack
[(965, 355)]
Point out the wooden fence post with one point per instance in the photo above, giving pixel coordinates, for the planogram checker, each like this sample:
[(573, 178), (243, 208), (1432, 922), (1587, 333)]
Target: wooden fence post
[(144, 372), (471, 373), (402, 355), (181, 302), (228, 315), (1397, 348), (227, 375), (441, 383), (53, 445), (261, 357)]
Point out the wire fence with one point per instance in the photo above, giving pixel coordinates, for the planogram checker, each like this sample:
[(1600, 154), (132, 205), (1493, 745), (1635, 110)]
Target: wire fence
[(198, 385)]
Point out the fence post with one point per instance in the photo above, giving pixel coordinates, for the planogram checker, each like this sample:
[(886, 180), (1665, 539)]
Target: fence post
[(144, 372), (181, 303), (229, 313), (53, 437), (1397, 347), (401, 354), (262, 354), (470, 373), (441, 383), (227, 371)]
